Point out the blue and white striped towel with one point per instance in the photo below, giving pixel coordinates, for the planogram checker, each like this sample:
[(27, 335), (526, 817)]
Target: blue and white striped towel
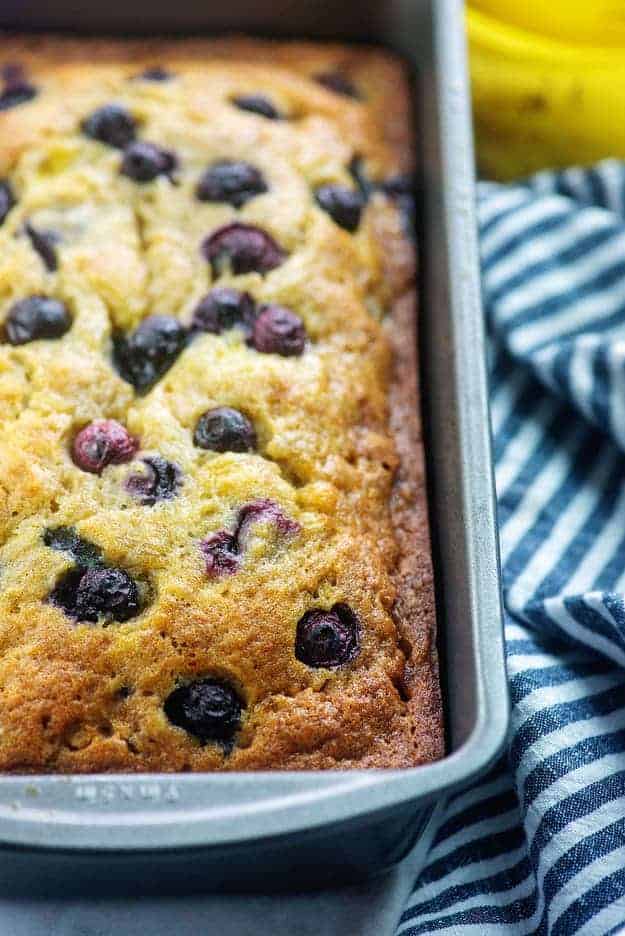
[(538, 846)]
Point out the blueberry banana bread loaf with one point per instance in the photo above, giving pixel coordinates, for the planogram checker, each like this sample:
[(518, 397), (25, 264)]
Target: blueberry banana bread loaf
[(214, 550)]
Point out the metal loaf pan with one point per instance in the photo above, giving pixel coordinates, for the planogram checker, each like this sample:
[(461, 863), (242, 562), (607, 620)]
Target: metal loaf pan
[(261, 830)]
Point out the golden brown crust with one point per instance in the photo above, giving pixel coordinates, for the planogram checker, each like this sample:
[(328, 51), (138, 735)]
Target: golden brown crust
[(78, 697)]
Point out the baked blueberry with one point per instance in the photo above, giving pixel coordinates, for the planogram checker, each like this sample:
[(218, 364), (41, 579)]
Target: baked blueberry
[(220, 554), (97, 592), (103, 442), (401, 189), (344, 205), (155, 73), (223, 308), (397, 186), (224, 429), (12, 73), (143, 162), (242, 247), (336, 81), (257, 104), (327, 638), (231, 182), (63, 595), (160, 480), (210, 709), (66, 539), (44, 243), (108, 593), (143, 357), (277, 330), (17, 89), (262, 510), (359, 174), (7, 199), (111, 124), (15, 94), (36, 317)]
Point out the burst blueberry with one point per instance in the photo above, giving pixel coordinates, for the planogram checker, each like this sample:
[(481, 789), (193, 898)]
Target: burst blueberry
[(223, 551), (103, 442), (160, 480), (36, 317), (262, 510), (327, 639), (224, 429), (220, 554), (278, 330), (243, 248), (111, 124), (210, 709)]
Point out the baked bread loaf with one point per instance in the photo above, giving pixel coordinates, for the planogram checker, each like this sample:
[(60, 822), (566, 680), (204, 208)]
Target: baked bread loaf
[(214, 544)]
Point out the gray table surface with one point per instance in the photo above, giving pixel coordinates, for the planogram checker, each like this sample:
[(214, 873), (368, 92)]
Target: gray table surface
[(369, 909)]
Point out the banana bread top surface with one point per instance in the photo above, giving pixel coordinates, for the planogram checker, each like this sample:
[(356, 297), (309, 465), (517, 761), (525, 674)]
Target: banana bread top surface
[(214, 547)]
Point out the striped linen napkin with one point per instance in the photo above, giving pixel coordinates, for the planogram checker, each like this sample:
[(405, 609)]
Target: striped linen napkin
[(538, 846)]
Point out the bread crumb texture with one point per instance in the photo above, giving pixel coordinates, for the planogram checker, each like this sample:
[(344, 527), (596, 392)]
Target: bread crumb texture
[(214, 550)]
